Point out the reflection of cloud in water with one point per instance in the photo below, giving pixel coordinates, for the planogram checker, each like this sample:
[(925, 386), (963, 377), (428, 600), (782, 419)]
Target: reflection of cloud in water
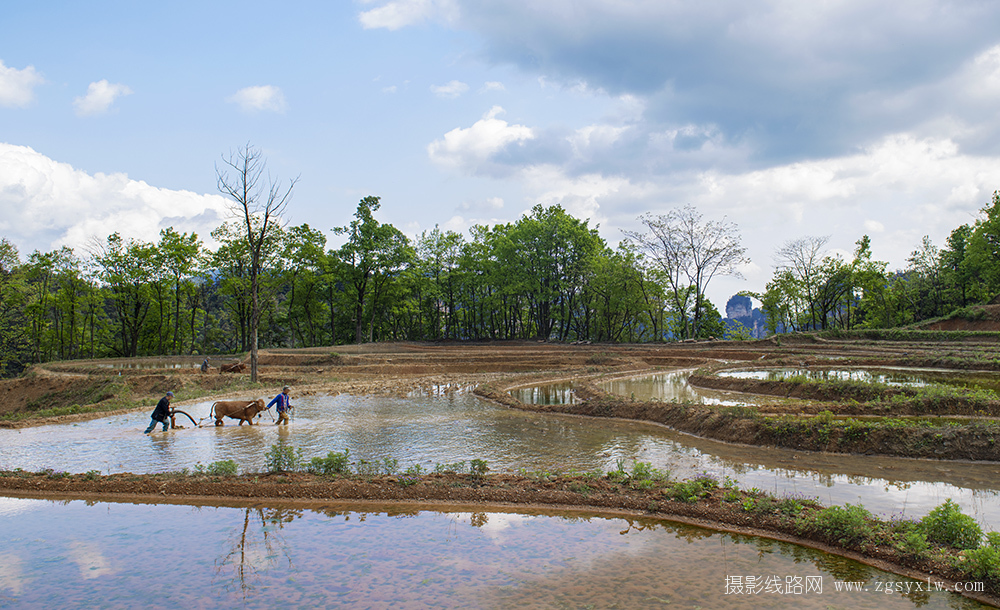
[(91, 560), (13, 506), (496, 523), (11, 574)]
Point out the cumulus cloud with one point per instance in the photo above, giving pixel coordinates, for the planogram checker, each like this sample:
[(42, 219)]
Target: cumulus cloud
[(48, 204), (451, 90), (259, 99), (492, 86), (473, 148), (100, 96), (17, 87), (789, 78), (401, 13)]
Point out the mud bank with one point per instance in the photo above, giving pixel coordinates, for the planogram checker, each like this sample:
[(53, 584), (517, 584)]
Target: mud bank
[(848, 398), (976, 442)]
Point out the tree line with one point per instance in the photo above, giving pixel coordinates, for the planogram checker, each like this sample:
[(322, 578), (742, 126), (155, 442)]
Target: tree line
[(810, 291), (546, 276)]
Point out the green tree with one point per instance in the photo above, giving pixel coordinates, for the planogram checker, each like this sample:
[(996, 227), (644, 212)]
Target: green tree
[(178, 255), (125, 268), (14, 341), (373, 252)]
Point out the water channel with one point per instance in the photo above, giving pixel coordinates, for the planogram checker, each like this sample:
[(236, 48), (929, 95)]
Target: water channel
[(118, 555)]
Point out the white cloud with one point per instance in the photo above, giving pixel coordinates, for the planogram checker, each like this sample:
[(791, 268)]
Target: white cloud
[(89, 559), (259, 98), (389, 89), (490, 203), (874, 226), (17, 87), (581, 196), (12, 573), (401, 13), (472, 147), (451, 90), (492, 86), (100, 96), (48, 204)]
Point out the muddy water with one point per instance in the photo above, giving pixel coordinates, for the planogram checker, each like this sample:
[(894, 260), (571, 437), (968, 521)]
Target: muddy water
[(673, 386), (78, 554), (890, 376), (430, 430)]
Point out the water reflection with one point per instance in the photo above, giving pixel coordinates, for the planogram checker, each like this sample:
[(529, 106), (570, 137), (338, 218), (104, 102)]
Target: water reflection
[(363, 557), (429, 430), (673, 386), (904, 377), (559, 393)]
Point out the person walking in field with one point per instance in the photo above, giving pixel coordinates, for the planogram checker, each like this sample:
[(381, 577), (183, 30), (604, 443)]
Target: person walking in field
[(161, 414), (283, 406)]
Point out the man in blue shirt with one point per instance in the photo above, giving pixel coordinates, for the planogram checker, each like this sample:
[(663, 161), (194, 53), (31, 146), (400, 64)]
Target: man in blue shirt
[(281, 400)]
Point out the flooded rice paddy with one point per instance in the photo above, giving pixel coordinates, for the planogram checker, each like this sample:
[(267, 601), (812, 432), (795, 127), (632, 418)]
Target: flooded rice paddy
[(673, 386), (85, 554), (435, 429), (903, 377)]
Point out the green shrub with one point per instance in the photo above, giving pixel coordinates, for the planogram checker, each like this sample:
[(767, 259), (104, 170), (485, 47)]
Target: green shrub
[(454, 468), (845, 525), (984, 562), (914, 543), (415, 470), (478, 468), (732, 495), (948, 526), (644, 471), (691, 490), (367, 469), (222, 468), (333, 463), (282, 457), (390, 465), (92, 475)]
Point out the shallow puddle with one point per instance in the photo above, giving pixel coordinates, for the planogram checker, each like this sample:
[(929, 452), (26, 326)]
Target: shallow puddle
[(430, 430), (80, 554)]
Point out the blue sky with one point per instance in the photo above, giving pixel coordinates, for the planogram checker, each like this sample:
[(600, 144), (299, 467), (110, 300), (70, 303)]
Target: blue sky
[(790, 119)]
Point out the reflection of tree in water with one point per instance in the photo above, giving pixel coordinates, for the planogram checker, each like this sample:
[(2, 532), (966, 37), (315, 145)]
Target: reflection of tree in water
[(254, 548)]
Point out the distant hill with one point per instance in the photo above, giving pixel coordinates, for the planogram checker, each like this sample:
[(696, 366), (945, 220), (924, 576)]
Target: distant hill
[(740, 309)]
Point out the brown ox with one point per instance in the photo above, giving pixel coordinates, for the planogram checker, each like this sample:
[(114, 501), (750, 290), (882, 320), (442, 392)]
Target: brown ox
[(236, 367), (243, 410)]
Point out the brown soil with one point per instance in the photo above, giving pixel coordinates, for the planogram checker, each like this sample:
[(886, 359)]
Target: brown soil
[(990, 320), (714, 510)]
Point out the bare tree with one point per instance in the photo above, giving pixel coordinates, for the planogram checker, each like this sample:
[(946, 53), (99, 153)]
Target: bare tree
[(259, 202), (801, 259), (690, 253)]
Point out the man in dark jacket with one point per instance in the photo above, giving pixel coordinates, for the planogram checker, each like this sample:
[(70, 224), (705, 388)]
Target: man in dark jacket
[(161, 413)]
